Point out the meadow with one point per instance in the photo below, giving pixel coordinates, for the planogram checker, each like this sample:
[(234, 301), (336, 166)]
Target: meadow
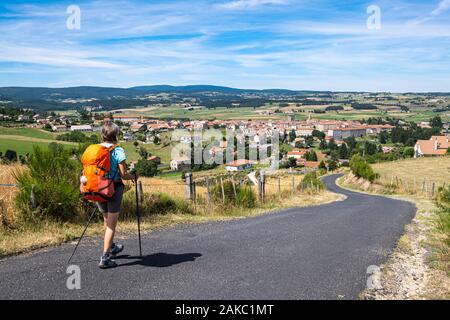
[(175, 112), (436, 169)]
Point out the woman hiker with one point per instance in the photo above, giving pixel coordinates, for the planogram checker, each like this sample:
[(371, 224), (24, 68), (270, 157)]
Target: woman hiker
[(111, 209)]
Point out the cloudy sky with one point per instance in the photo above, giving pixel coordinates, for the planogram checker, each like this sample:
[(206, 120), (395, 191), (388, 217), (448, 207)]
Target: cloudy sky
[(293, 44)]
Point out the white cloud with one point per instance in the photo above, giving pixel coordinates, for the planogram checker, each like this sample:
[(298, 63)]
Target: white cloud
[(246, 4), (443, 6)]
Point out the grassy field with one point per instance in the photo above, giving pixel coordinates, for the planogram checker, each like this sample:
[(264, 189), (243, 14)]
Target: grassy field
[(27, 132), (429, 169)]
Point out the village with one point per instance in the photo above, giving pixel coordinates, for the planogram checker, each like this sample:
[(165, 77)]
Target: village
[(303, 140)]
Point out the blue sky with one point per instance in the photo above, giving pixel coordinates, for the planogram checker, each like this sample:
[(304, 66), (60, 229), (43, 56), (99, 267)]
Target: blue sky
[(292, 44)]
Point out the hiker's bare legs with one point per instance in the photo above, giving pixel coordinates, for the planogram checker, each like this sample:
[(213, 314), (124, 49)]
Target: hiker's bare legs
[(105, 221), (111, 223)]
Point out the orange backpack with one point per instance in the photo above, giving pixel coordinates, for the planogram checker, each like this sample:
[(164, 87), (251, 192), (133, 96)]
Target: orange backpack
[(96, 183)]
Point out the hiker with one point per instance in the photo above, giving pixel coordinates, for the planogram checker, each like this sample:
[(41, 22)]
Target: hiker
[(111, 208)]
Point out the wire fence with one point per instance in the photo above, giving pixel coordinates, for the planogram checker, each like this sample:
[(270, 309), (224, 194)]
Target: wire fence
[(427, 188)]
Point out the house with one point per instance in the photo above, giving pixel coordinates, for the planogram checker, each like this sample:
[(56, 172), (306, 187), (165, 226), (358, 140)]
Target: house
[(239, 165), (138, 127), (23, 117), (81, 128), (128, 136), (59, 128), (309, 164), (436, 146), (387, 150), (297, 153), (155, 159), (343, 133), (304, 131), (180, 163)]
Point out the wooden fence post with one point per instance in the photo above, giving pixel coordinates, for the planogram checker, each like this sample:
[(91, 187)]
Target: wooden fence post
[(208, 192), (189, 186), (432, 190), (194, 191), (262, 181), (293, 183), (234, 188), (223, 190)]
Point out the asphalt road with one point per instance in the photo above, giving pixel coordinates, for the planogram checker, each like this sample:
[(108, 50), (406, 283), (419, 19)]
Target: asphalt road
[(318, 252)]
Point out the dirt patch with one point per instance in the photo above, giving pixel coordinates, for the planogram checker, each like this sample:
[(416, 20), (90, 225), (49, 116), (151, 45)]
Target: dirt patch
[(407, 275)]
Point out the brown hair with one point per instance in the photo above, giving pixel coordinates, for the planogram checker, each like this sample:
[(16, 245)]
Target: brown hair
[(110, 132)]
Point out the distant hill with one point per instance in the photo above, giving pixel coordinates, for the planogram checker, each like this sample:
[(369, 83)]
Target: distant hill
[(191, 88), (42, 93)]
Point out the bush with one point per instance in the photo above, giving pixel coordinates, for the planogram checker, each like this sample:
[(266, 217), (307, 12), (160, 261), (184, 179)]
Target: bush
[(75, 136), (408, 152), (50, 186), (362, 169), (245, 197), (311, 182), (153, 204), (11, 155), (146, 168)]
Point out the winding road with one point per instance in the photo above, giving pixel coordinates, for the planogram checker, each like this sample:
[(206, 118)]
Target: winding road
[(320, 252)]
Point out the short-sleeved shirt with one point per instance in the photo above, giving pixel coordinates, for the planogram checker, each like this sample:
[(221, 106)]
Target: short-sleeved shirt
[(117, 156)]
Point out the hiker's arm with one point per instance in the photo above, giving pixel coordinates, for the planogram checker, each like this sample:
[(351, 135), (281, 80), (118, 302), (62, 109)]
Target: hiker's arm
[(123, 172)]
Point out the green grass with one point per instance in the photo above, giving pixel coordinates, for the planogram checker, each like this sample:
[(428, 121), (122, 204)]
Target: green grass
[(156, 150), (27, 132), (22, 147)]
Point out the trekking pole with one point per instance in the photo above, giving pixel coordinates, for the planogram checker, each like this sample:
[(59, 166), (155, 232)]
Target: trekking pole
[(84, 231), (138, 215)]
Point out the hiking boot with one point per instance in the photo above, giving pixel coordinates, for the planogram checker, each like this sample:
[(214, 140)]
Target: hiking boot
[(106, 261), (116, 249)]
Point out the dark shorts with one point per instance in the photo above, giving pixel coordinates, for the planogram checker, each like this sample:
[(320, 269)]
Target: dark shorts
[(115, 203)]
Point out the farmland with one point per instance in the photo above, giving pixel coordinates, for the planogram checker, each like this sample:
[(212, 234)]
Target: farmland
[(429, 169), (22, 140)]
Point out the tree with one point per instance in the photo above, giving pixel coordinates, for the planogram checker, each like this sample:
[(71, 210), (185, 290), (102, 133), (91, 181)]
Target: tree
[(408, 152), (383, 137), (404, 109), (309, 140), (332, 145), (362, 169), (143, 153), (135, 143), (311, 156), (436, 122), (292, 163), (292, 135), (343, 151), (318, 134), (332, 165), (11, 155), (146, 168), (322, 165), (323, 144), (351, 142), (370, 148)]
